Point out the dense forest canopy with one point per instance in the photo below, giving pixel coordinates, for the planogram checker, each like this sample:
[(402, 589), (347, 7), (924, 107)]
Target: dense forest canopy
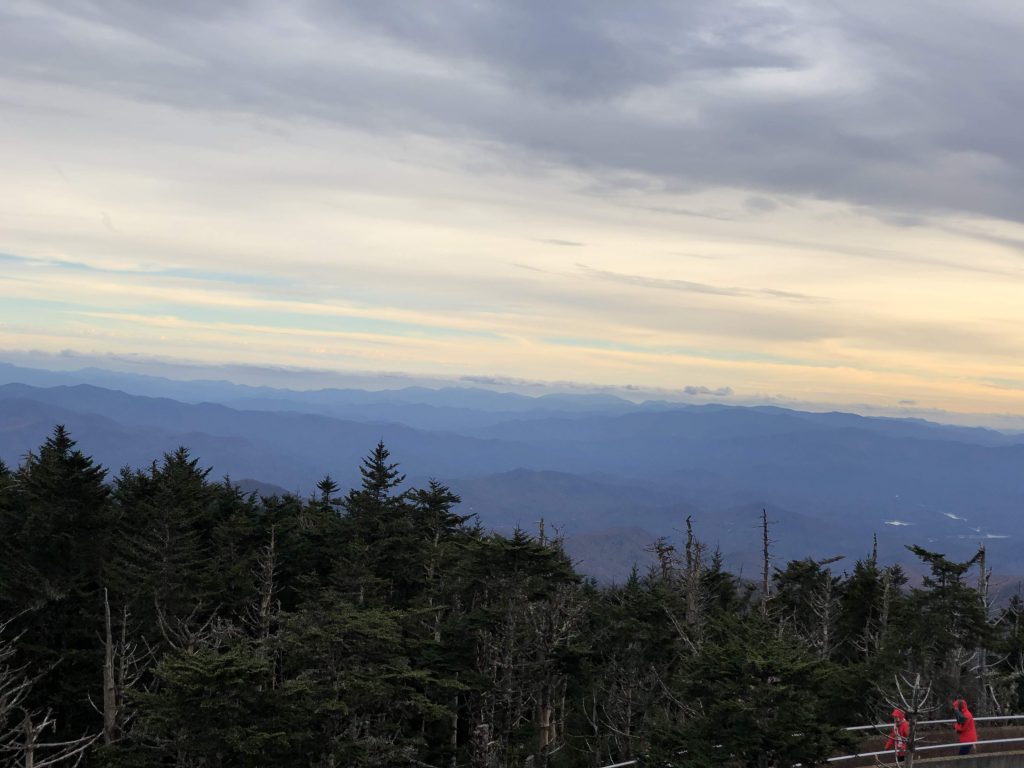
[(158, 617)]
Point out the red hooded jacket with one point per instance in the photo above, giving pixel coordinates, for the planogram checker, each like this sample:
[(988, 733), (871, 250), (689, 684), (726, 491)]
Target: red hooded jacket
[(900, 733), (964, 724)]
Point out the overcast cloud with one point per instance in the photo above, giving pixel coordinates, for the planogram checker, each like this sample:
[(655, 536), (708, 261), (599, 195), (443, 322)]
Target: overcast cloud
[(820, 200), (914, 106)]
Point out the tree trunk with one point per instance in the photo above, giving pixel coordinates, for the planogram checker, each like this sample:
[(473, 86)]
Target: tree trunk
[(30, 743), (766, 584), (109, 685), (455, 730), (982, 700)]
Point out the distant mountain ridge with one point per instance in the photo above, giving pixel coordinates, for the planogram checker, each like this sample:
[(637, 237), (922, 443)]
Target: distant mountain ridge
[(586, 465), (447, 401)]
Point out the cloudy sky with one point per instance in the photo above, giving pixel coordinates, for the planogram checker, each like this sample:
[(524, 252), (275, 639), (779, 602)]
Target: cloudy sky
[(816, 202)]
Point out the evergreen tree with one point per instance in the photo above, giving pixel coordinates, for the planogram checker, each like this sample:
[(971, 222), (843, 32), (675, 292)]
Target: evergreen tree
[(946, 622), (755, 697), (57, 528), (726, 593), (167, 516), (369, 704), (212, 707), (632, 659), (380, 478), (807, 598), (11, 563), (385, 628), (380, 525), (312, 545)]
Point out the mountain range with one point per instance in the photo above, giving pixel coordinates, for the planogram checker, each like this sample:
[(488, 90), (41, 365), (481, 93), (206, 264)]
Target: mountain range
[(609, 474)]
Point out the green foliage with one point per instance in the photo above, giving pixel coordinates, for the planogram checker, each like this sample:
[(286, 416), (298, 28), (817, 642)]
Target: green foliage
[(56, 529), (948, 617), (216, 705), (754, 696), (381, 627)]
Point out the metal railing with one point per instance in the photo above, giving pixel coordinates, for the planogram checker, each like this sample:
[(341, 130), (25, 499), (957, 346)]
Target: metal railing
[(927, 747), (933, 722), (882, 726)]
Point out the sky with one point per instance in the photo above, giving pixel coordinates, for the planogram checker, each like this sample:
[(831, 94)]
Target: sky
[(807, 202)]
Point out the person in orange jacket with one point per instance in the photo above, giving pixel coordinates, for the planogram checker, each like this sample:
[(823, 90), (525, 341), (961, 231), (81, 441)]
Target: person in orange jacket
[(900, 734), (964, 725)]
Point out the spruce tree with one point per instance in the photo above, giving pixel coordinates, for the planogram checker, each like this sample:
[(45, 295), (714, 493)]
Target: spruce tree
[(58, 538), (946, 622), (755, 698)]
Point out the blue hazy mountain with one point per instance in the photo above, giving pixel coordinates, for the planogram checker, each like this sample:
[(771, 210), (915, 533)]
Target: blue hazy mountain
[(589, 466)]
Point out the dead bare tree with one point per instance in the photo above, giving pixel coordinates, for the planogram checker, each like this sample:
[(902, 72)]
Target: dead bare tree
[(260, 616), (125, 663), (877, 627), (15, 686), (825, 604), (31, 751), (914, 697), (22, 729), (766, 563), (633, 686), (555, 624), (685, 576), (1006, 671), (618, 712), (693, 573), (192, 632), (665, 553), (981, 664)]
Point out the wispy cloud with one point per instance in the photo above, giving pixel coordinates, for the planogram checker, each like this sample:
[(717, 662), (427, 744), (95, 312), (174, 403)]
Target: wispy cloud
[(567, 243), (688, 286), (199, 275)]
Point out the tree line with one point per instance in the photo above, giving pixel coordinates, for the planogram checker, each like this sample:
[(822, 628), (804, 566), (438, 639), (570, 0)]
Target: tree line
[(156, 617)]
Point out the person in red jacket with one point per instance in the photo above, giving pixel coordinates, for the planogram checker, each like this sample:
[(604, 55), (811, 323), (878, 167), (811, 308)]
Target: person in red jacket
[(964, 726), (900, 734)]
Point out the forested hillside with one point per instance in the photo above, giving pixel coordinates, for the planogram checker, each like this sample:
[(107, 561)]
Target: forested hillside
[(159, 617)]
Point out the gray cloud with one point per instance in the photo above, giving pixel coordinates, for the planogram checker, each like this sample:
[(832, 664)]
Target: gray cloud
[(501, 381), (1012, 243), (759, 204), (673, 210), (913, 108), (889, 255), (701, 390)]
